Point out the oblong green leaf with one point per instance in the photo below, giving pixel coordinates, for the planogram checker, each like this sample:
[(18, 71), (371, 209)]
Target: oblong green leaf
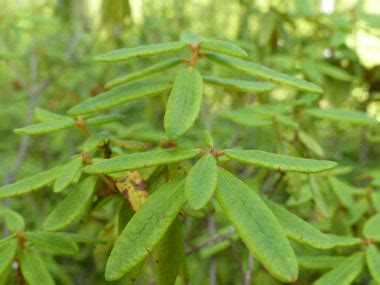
[(34, 269), (140, 160), (280, 162), (140, 51), (119, 96), (240, 85), (13, 220), (43, 115), (299, 230), (342, 115), (46, 127), (319, 262), (264, 72), (344, 241), (184, 103), (52, 242), (68, 174), (143, 72), (311, 144), (373, 262), (145, 229), (257, 226), (103, 119), (31, 183), (73, 207), (371, 229), (345, 272), (201, 182), (7, 254), (222, 47)]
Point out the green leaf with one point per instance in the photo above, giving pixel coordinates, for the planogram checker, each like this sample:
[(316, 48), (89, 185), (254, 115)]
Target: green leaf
[(34, 269), (333, 71), (119, 96), (257, 226), (143, 72), (240, 85), (201, 182), (265, 73), (52, 242), (145, 229), (103, 119), (7, 254), (141, 160), (341, 191), (344, 241), (371, 229), (13, 220), (373, 261), (310, 143), (342, 115), (169, 255), (31, 183), (46, 127), (43, 115), (247, 119), (73, 207), (141, 51), (299, 230), (345, 273), (68, 174), (222, 47), (184, 103), (319, 262), (280, 162), (207, 139)]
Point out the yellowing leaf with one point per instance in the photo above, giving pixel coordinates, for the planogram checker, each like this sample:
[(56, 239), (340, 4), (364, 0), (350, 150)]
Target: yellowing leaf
[(73, 207), (263, 72), (371, 229), (31, 183), (140, 160), (184, 103), (133, 187), (222, 47), (140, 51), (373, 262), (145, 229), (34, 269), (119, 96), (68, 174), (345, 273), (240, 85), (299, 230), (280, 162), (257, 226), (46, 127), (201, 182)]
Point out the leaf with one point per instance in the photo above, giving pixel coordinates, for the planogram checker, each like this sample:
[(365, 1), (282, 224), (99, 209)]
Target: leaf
[(103, 119), (341, 191), (320, 262), (145, 229), (73, 207), (334, 71), (119, 96), (7, 254), (140, 160), (68, 174), (222, 47), (263, 72), (345, 272), (257, 226), (52, 242), (371, 229), (201, 182), (246, 119), (46, 127), (43, 115), (299, 230), (373, 261), (31, 183), (169, 255), (342, 115), (141, 51), (143, 72), (34, 269), (13, 220), (280, 162), (310, 143), (133, 187), (240, 85), (184, 103), (344, 240)]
